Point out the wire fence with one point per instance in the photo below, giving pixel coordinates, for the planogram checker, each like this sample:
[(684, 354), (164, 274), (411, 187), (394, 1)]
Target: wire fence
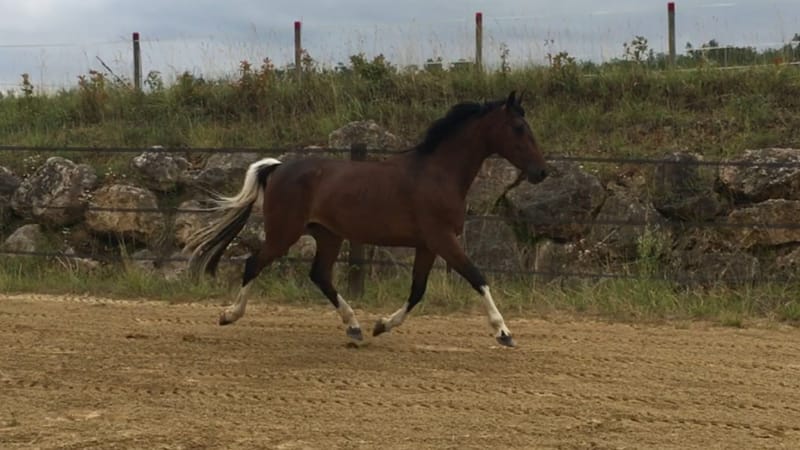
[(631, 274), (520, 39), (623, 271)]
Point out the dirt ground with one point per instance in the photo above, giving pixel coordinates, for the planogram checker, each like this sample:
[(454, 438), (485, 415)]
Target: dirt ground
[(79, 372)]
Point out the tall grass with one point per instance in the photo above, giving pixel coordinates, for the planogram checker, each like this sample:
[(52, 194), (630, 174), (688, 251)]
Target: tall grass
[(610, 110), (627, 300)]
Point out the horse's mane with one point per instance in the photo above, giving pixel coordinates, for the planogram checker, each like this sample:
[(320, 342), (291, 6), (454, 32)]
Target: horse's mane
[(455, 118)]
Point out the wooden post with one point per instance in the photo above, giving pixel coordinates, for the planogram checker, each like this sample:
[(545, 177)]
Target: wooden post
[(137, 63), (298, 51), (671, 26), (356, 273), (479, 41)]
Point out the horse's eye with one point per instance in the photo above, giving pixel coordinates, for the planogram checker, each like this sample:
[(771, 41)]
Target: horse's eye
[(519, 129)]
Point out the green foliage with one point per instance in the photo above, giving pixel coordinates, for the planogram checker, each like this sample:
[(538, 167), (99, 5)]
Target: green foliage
[(637, 50), (287, 283), (377, 70), (505, 65), (27, 86), (93, 97), (618, 108), (564, 75), (651, 246)]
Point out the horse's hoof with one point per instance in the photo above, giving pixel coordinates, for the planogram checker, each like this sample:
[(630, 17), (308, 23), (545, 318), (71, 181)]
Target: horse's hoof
[(380, 328), (506, 340), (354, 333), (223, 319)]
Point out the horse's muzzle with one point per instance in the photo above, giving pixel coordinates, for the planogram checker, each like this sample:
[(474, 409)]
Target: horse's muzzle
[(536, 174)]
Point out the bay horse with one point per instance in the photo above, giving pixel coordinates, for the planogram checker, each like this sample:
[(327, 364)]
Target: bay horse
[(415, 198)]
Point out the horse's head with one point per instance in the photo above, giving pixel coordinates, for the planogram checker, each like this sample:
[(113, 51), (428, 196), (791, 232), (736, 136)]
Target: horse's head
[(513, 139)]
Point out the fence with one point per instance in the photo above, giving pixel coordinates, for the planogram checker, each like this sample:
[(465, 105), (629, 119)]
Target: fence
[(476, 63), (357, 262), (472, 55)]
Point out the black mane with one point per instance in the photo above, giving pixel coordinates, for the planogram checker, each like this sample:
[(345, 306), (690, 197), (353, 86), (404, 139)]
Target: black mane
[(455, 118)]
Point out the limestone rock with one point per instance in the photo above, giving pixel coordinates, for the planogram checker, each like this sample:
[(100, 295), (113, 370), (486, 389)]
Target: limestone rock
[(496, 175), (160, 171), (56, 193), (27, 238), (681, 192), (493, 244), (561, 207), (142, 226), (8, 185), (756, 183), (760, 225), (625, 225), (365, 132)]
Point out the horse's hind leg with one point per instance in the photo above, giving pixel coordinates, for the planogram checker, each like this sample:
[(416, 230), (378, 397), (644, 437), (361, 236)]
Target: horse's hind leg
[(423, 262), (277, 244), (328, 246), (252, 267)]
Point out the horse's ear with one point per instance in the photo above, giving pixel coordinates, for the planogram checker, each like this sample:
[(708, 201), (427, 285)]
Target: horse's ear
[(521, 95), (512, 100)]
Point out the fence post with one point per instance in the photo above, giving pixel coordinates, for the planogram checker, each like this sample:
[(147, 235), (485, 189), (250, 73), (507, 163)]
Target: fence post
[(671, 26), (479, 41), (355, 261), (137, 63), (298, 51)]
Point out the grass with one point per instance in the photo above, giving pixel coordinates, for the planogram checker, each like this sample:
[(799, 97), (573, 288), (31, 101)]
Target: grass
[(612, 110), (626, 300)]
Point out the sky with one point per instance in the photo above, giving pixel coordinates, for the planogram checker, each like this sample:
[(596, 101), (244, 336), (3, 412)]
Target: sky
[(56, 40)]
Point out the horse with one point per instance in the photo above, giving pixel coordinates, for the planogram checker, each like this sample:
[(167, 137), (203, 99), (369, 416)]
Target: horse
[(414, 198)]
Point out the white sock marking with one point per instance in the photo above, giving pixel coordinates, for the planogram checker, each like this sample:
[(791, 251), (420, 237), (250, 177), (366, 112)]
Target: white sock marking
[(236, 311), (397, 318), (346, 313), (495, 318)]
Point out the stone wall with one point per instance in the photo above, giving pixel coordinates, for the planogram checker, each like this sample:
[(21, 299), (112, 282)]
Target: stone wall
[(678, 219)]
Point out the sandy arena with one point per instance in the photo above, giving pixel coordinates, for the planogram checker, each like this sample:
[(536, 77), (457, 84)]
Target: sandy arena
[(78, 372)]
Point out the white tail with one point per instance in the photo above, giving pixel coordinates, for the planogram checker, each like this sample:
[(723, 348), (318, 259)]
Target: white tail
[(207, 245)]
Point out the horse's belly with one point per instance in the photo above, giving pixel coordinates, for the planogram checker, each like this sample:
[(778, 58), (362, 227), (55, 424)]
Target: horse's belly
[(376, 228), (368, 207)]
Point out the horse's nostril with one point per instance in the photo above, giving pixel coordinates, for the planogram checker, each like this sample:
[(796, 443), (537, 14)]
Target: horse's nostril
[(543, 173)]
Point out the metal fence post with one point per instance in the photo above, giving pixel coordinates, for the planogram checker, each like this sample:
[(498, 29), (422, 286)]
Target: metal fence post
[(355, 260), (137, 63)]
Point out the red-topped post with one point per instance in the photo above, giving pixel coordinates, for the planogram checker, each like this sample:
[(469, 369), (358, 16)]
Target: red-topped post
[(671, 26), (479, 41), (137, 63), (298, 51)]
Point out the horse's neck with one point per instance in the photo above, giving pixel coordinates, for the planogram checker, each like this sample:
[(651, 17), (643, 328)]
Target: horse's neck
[(461, 157)]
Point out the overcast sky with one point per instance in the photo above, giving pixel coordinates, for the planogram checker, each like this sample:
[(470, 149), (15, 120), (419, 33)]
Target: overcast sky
[(56, 40)]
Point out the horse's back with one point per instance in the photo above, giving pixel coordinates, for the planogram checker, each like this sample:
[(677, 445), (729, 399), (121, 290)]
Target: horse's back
[(368, 201)]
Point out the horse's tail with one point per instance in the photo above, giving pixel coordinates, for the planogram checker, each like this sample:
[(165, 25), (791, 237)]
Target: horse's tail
[(208, 244)]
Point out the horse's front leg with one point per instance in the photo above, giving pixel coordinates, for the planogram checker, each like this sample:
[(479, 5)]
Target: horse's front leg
[(448, 248)]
